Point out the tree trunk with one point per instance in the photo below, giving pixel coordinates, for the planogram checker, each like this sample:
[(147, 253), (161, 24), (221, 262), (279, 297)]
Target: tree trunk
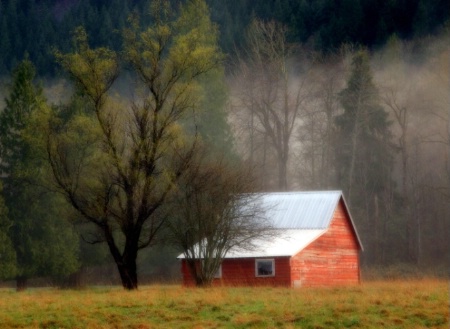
[(264, 175), (376, 227), (126, 261), (128, 274), (203, 283), (353, 161), (196, 270), (21, 283), (282, 173)]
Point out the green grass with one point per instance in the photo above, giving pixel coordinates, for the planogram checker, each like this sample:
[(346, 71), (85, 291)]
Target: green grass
[(396, 304)]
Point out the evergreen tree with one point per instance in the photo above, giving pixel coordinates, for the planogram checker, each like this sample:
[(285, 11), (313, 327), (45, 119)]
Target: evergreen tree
[(211, 120), (364, 152), (41, 238)]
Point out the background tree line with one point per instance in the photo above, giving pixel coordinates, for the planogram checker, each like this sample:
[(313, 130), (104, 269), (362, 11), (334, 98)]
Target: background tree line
[(36, 26), (374, 124)]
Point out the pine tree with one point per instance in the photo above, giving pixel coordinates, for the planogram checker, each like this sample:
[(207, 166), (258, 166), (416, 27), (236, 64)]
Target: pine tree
[(41, 238), (211, 120), (22, 101), (364, 152)]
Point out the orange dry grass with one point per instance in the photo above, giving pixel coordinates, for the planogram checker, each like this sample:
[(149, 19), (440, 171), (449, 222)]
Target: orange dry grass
[(396, 304)]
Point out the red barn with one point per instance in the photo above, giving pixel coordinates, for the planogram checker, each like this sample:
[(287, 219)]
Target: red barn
[(317, 245)]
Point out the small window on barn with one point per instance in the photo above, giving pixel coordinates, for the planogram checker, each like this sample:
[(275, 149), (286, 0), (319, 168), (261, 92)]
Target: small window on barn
[(218, 273), (264, 267)]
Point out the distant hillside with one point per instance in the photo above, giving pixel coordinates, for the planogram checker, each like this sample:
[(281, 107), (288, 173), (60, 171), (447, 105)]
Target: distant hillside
[(35, 26), (329, 23)]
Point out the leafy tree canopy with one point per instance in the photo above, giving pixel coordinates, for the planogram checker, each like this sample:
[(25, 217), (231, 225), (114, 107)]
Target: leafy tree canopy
[(118, 162)]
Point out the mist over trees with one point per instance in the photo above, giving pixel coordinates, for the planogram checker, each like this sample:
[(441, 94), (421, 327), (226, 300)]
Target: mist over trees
[(374, 124), (271, 96), (364, 154), (305, 95)]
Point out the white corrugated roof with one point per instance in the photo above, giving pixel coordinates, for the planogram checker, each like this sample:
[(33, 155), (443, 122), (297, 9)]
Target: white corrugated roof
[(301, 210), (286, 243)]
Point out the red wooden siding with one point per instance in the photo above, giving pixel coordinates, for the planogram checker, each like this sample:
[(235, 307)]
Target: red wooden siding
[(333, 259), (241, 272)]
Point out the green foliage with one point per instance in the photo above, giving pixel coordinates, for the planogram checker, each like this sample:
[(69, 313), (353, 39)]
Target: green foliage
[(23, 99), (212, 122), (15, 152), (77, 125), (211, 118), (184, 48), (41, 238), (364, 153), (363, 127), (95, 70), (118, 161)]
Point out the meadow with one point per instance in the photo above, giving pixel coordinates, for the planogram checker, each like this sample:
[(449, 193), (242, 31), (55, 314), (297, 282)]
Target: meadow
[(383, 304)]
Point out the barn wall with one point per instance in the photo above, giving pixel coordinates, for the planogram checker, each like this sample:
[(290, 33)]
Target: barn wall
[(332, 259), (186, 274), (241, 272)]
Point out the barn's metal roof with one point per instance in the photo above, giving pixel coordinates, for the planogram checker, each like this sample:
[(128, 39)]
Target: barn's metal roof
[(304, 210), (301, 210), (300, 218)]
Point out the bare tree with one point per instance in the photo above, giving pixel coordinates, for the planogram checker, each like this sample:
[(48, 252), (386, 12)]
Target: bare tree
[(215, 212), (413, 93), (272, 97), (317, 131), (398, 103)]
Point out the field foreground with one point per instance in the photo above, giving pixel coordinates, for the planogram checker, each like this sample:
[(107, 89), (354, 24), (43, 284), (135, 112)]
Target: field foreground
[(407, 304)]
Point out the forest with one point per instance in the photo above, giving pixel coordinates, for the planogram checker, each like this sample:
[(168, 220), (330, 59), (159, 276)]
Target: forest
[(113, 114), (36, 26)]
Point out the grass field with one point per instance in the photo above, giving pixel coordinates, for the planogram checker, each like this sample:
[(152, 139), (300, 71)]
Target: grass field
[(396, 304)]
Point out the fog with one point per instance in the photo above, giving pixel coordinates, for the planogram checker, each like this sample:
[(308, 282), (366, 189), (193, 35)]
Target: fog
[(412, 78)]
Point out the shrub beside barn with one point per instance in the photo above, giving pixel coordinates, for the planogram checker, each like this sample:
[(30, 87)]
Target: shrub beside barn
[(317, 245)]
